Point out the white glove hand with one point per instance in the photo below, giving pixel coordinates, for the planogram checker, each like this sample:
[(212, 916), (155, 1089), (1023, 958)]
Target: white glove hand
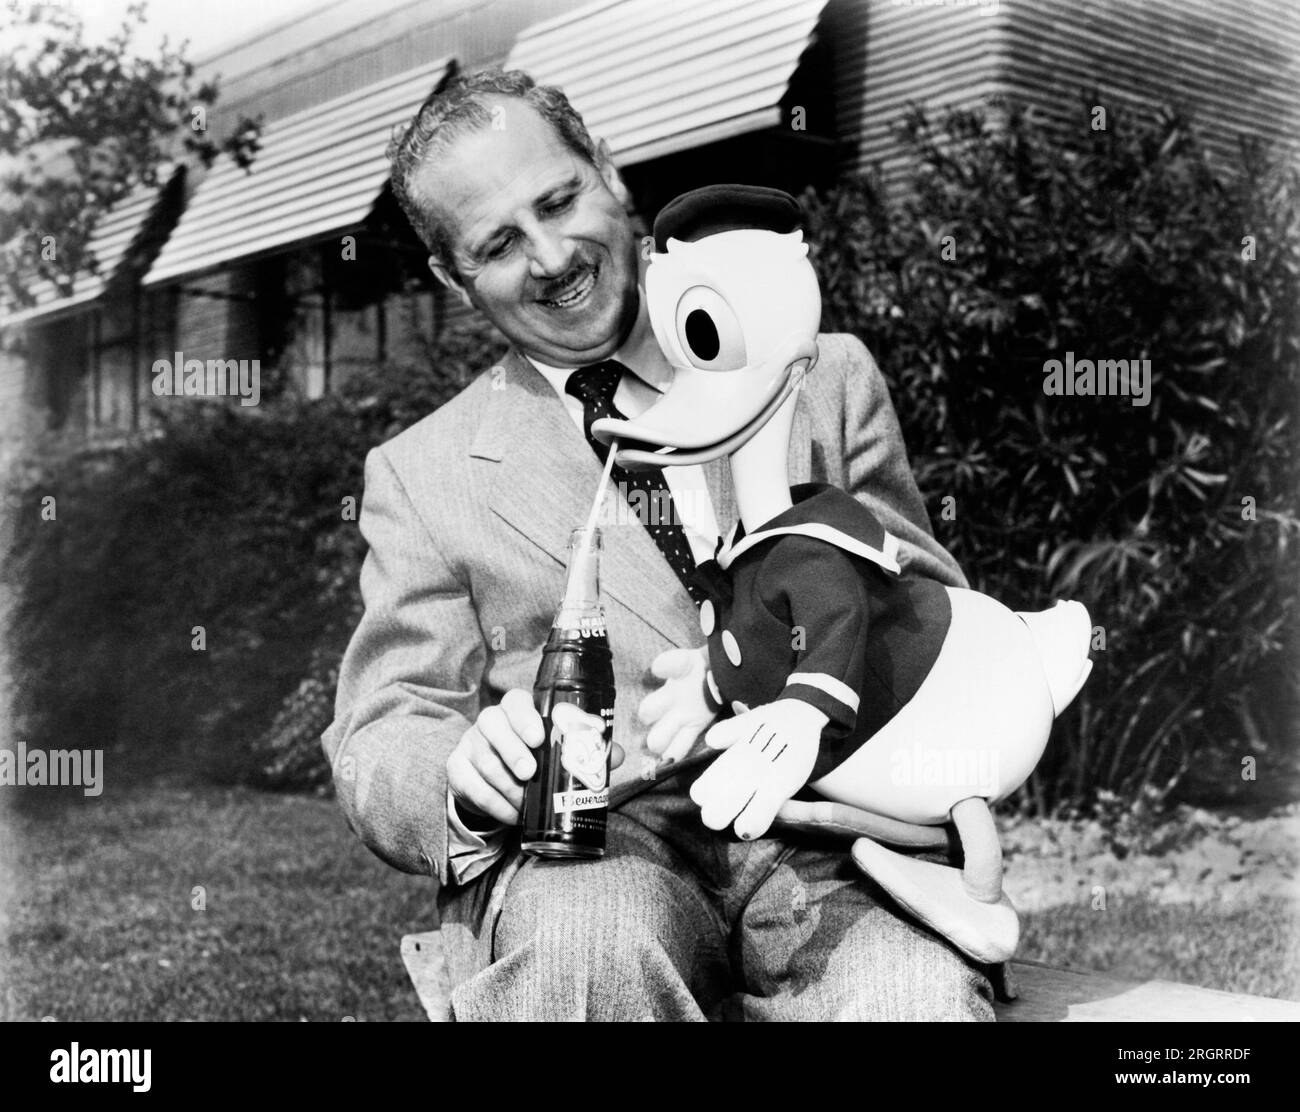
[(770, 755), (678, 711)]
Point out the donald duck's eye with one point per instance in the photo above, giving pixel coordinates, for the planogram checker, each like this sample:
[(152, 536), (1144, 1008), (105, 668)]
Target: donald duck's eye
[(702, 334), (708, 331)]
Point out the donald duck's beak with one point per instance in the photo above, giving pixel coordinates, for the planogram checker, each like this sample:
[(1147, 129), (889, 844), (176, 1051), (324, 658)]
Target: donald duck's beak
[(706, 414)]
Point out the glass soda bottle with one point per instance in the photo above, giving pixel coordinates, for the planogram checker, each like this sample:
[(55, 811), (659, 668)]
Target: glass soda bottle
[(566, 803)]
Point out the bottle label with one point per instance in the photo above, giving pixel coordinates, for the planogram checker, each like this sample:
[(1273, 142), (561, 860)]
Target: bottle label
[(583, 741), (585, 625), (566, 802)]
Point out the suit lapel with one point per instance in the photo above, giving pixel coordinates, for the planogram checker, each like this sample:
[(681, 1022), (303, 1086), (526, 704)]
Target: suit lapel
[(546, 479), (544, 483)]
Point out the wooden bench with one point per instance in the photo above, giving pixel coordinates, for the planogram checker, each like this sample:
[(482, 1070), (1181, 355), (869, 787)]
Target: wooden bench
[(1047, 994)]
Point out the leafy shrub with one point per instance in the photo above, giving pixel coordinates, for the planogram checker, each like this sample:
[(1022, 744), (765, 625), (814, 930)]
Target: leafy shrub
[(229, 519), (1177, 522)]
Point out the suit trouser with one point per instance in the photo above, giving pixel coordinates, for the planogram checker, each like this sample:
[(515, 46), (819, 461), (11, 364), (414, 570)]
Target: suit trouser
[(680, 922)]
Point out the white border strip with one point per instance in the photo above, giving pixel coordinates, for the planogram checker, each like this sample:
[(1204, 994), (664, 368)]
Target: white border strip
[(836, 689), (887, 557)]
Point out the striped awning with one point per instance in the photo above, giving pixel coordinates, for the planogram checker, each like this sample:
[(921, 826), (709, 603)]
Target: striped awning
[(318, 172), (651, 78), (110, 243)]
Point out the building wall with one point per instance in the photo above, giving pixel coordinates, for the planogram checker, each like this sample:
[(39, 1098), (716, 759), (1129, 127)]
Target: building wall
[(365, 320), (19, 410), (63, 387), (80, 375), (889, 54), (1236, 63), (113, 356), (216, 317)]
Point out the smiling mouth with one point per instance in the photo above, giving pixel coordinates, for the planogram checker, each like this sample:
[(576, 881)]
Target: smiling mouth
[(576, 292)]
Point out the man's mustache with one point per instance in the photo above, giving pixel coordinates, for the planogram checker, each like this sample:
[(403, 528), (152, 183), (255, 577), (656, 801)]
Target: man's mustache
[(558, 287)]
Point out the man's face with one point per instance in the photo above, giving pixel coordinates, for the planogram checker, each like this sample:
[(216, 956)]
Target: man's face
[(541, 243)]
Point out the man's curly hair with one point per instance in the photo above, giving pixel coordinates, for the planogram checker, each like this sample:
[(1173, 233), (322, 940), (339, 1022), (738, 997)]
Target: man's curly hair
[(456, 107)]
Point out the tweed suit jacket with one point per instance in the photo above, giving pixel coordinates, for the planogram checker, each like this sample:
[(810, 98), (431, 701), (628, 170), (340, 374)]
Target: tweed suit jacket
[(468, 515)]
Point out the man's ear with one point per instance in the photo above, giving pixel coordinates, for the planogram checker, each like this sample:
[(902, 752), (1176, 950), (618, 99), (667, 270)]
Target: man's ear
[(610, 175), (448, 279)]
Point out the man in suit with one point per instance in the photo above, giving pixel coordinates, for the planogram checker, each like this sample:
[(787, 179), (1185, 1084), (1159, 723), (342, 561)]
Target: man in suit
[(468, 514)]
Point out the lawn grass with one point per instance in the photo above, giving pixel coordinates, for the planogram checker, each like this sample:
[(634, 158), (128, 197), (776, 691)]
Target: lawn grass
[(97, 917), (301, 921), (1250, 948)]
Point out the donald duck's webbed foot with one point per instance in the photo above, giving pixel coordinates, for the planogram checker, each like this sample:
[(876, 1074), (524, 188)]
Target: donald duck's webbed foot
[(965, 906)]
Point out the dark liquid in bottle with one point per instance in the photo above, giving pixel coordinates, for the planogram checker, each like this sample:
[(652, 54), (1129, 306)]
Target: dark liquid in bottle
[(566, 808)]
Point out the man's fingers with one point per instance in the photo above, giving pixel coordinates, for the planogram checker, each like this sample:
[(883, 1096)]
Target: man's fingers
[(672, 664), (468, 785), (523, 717), (489, 765), (616, 755), (486, 800), (501, 736)]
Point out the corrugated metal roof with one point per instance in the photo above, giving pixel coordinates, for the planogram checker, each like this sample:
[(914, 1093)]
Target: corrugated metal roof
[(109, 243), (650, 79), (318, 171)]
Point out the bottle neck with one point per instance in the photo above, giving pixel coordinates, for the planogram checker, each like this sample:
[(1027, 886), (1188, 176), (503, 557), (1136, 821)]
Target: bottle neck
[(587, 620), (581, 604)]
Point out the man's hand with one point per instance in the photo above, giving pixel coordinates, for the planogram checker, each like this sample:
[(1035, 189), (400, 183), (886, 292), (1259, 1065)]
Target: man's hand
[(770, 754), (494, 758), (678, 710)]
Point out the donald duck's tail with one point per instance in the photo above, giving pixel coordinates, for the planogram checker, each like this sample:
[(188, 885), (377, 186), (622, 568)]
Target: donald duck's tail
[(1062, 635)]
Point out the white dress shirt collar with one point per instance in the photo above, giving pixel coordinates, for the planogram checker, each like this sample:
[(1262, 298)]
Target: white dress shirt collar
[(559, 376)]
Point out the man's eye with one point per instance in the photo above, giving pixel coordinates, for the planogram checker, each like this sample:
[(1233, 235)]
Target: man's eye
[(558, 205), (499, 249)]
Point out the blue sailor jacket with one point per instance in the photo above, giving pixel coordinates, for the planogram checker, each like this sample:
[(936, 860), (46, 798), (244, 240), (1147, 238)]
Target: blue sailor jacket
[(812, 606)]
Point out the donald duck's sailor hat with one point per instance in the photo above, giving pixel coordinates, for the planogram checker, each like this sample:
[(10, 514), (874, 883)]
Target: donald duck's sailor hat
[(726, 208)]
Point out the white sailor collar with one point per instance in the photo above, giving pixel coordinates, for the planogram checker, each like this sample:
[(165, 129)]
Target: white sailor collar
[(823, 513)]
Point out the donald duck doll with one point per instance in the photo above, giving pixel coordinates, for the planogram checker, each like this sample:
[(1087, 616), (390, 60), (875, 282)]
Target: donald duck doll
[(888, 697)]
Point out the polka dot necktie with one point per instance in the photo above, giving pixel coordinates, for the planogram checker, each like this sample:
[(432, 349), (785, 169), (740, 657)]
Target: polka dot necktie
[(594, 386)]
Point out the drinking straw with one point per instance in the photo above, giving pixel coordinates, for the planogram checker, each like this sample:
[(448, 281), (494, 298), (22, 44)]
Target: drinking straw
[(600, 489)]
